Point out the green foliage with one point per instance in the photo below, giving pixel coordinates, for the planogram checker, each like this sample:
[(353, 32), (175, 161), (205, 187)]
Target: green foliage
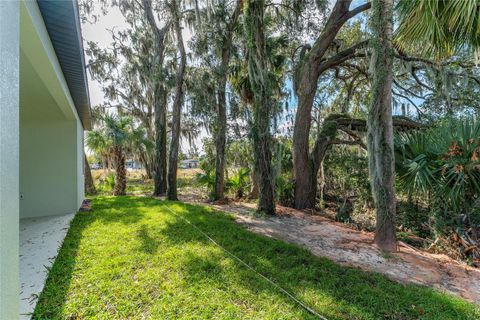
[(106, 185), (346, 175), (110, 181), (239, 153), (238, 182), (447, 26), (97, 142), (443, 164), (284, 190), (117, 128), (207, 176)]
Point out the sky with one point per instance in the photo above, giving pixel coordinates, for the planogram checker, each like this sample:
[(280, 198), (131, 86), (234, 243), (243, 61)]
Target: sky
[(99, 32)]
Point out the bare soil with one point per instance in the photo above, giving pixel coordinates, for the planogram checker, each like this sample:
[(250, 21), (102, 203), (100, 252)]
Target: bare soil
[(349, 247)]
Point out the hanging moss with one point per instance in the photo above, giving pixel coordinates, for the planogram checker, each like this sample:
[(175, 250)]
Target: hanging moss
[(380, 135), (258, 75)]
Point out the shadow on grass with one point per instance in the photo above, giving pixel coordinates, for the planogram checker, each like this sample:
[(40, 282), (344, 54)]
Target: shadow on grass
[(110, 210), (148, 243), (335, 291)]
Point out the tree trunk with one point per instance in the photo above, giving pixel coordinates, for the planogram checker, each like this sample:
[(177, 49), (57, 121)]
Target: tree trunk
[(89, 185), (262, 104), (306, 180), (121, 172), (143, 157), (254, 190), (302, 164), (220, 142), (160, 141), (177, 110), (160, 101), (148, 155), (380, 127), (321, 185), (151, 166), (306, 76), (109, 163), (221, 134), (104, 166)]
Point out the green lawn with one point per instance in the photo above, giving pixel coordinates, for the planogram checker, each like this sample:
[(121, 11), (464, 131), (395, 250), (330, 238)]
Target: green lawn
[(131, 258)]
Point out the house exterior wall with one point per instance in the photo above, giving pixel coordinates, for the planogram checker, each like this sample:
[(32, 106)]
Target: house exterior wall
[(50, 177), (51, 134), (80, 164), (41, 138), (9, 155)]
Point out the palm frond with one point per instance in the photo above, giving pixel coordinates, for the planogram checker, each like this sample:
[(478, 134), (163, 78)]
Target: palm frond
[(438, 28)]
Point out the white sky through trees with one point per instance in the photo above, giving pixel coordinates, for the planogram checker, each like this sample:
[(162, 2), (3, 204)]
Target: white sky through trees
[(99, 32)]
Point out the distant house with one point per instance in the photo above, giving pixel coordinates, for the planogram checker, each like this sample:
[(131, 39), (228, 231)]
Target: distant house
[(189, 163), (133, 165), (44, 110)]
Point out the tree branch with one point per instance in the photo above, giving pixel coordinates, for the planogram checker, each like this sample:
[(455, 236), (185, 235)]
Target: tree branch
[(344, 55), (407, 90), (358, 10), (349, 142)]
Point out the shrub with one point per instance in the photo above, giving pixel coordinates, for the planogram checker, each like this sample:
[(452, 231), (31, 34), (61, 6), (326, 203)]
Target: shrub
[(207, 177), (238, 182), (441, 164), (285, 190)]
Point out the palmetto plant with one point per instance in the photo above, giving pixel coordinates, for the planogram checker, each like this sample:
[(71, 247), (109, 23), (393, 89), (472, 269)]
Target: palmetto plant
[(207, 177), (443, 163), (238, 182), (447, 26), (415, 161)]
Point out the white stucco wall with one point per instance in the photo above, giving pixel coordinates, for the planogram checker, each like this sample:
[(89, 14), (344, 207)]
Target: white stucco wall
[(9, 154)]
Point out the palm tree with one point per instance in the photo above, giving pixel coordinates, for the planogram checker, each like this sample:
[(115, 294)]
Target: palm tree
[(447, 26), (263, 102), (98, 143), (257, 78), (139, 146), (380, 128), (89, 184), (117, 129)]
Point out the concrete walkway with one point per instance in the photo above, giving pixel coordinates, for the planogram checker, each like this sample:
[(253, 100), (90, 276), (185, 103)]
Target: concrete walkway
[(40, 240)]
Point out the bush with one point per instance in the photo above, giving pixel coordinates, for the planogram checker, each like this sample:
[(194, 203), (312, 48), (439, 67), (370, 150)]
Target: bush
[(346, 175), (107, 184), (285, 190), (238, 182), (441, 164), (207, 177)]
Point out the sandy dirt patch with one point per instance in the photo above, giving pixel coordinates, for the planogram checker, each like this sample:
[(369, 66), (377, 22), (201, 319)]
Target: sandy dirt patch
[(346, 246)]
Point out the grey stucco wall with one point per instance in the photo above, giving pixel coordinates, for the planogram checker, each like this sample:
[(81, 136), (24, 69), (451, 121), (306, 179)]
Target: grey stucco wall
[(9, 155), (80, 165)]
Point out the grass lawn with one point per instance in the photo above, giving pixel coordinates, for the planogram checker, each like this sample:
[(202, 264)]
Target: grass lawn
[(131, 258)]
